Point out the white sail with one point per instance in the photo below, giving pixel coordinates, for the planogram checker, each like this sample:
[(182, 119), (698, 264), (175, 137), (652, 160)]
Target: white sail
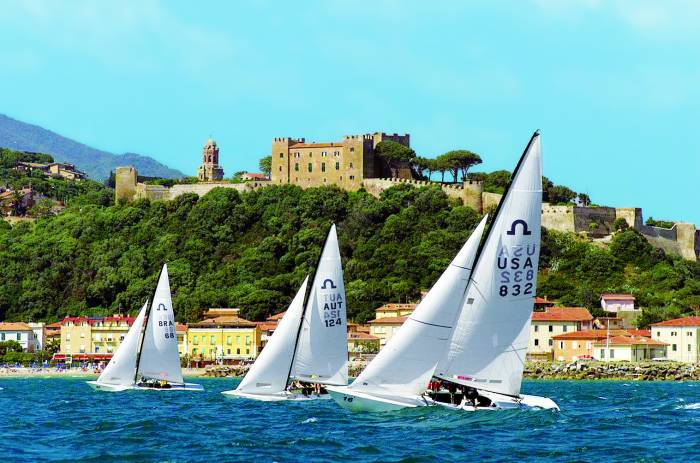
[(159, 357), (122, 367), (268, 375), (405, 365), (322, 349), (489, 342)]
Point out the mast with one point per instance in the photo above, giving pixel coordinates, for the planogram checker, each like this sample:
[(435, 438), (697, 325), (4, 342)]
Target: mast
[(306, 303), (143, 328), (500, 204), (487, 236)]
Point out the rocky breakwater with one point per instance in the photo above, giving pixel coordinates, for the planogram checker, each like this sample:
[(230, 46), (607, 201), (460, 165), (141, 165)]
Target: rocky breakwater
[(222, 371), (630, 371)]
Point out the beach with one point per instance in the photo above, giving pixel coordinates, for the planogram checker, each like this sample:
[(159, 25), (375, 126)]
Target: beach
[(70, 373)]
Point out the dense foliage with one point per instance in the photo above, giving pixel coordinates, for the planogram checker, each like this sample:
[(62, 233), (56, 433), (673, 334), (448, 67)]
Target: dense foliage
[(252, 250)]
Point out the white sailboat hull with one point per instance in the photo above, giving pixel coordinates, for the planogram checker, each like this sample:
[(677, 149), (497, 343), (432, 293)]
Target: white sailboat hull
[(275, 397), (363, 402), (504, 402), (119, 388)]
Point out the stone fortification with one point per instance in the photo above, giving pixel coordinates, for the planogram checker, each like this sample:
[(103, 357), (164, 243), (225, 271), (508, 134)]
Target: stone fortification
[(126, 187)]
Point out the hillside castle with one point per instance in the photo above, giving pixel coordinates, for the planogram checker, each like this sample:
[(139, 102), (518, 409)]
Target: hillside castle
[(351, 164)]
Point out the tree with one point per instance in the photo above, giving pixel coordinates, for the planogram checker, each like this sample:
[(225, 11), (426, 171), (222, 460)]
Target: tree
[(584, 199), (265, 165), (560, 194), (620, 224), (421, 165), (460, 160), (394, 154)]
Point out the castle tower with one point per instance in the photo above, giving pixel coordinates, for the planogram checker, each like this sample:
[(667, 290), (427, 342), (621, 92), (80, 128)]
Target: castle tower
[(210, 171)]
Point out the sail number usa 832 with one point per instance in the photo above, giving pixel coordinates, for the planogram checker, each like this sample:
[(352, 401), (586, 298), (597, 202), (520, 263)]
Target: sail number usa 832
[(516, 264)]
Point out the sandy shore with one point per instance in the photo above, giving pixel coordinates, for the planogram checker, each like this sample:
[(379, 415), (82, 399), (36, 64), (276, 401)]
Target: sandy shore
[(75, 372)]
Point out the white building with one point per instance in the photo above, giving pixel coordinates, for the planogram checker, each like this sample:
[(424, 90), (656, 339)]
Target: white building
[(681, 335), (618, 303), (39, 335), (19, 332), (628, 348)]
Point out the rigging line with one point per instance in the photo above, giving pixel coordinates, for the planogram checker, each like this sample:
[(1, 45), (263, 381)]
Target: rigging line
[(430, 324)]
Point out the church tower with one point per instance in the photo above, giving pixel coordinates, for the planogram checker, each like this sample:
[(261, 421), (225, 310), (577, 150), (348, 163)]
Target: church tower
[(210, 171)]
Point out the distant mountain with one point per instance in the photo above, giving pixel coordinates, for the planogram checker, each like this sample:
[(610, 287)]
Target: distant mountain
[(97, 164)]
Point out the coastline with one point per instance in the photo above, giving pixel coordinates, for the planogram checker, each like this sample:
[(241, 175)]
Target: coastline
[(72, 373)]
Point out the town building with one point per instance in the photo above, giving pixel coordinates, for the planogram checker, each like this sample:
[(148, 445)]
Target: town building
[(181, 332), (92, 338), (395, 310), (247, 176), (554, 321), (579, 345), (681, 335), (629, 348), (224, 339), (360, 343), (612, 323), (54, 169), (345, 163), (18, 332), (617, 303), (541, 303), (210, 170), (39, 338), (385, 327)]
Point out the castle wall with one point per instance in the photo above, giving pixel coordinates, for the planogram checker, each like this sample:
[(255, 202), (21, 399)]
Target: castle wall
[(595, 221), (490, 200), (125, 183), (559, 218)]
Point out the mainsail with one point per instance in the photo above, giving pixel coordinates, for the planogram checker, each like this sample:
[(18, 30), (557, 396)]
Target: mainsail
[(120, 369), (159, 357), (405, 365), (322, 348), (268, 375), (489, 342)]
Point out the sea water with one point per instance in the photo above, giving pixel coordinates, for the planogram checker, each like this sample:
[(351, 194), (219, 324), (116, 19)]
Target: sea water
[(62, 419)]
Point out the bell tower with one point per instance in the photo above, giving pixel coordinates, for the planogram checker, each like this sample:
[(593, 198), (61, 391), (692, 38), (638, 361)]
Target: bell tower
[(210, 171)]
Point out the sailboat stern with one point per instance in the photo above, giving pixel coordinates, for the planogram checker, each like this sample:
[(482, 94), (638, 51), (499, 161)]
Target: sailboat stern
[(357, 401), (98, 386)]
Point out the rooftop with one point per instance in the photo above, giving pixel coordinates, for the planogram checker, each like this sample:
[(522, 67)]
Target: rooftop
[(388, 321), (361, 336), (392, 307), (685, 321), (631, 341), (276, 317), (10, 326), (628, 297), (601, 334), (543, 301), (225, 321), (563, 314)]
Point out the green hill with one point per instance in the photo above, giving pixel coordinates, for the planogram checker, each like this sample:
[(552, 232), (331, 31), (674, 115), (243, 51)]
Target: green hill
[(252, 251), (17, 135)]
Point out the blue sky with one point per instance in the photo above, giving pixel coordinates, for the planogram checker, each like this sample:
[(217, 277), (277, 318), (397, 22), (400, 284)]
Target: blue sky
[(614, 85)]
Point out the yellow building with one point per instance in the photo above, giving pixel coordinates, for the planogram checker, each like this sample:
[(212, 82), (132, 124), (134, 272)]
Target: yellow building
[(343, 163), (384, 328), (552, 322), (682, 337), (225, 339), (395, 310), (95, 338)]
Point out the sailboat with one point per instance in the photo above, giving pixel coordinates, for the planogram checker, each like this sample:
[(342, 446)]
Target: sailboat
[(399, 375), (310, 342), (148, 356), (481, 357), (486, 354)]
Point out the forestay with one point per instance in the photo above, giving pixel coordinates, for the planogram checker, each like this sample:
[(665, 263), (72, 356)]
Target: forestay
[(322, 349), (489, 343), (159, 356), (268, 375), (121, 368), (405, 365)]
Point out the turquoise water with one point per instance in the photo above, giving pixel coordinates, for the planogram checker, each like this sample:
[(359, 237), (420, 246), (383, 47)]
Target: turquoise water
[(62, 419)]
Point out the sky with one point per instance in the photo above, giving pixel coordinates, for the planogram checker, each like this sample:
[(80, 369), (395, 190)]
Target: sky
[(614, 86)]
